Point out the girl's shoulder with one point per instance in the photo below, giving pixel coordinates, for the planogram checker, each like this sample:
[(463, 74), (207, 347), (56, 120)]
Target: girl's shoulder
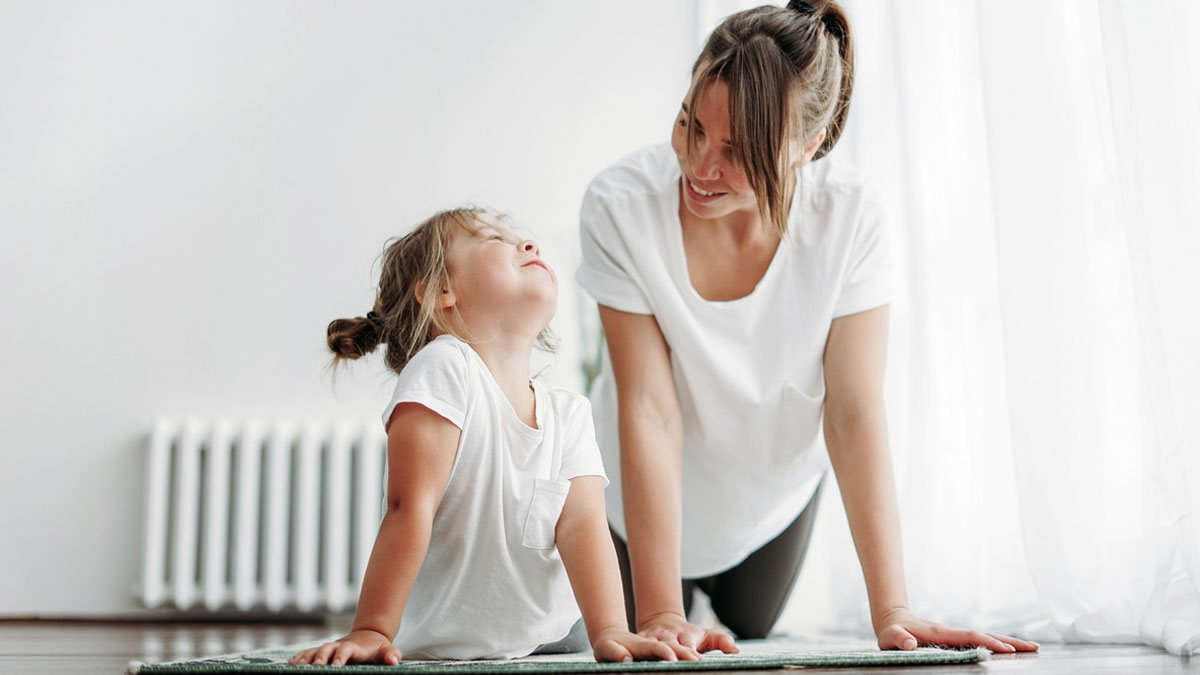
[(446, 355), (565, 404)]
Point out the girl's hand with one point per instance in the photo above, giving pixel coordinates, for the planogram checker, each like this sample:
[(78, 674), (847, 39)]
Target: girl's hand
[(360, 646), (899, 629), (688, 640), (619, 645)]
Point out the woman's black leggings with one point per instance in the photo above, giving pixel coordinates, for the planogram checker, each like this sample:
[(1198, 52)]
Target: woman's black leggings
[(747, 598)]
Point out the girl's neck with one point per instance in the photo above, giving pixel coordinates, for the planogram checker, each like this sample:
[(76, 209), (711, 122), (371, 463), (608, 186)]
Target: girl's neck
[(508, 362)]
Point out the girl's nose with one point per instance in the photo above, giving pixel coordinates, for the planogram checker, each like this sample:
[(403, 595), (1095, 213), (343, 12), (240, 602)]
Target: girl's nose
[(529, 246)]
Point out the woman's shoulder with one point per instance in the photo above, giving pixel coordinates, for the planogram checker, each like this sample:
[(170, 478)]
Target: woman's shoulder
[(645, 174), (837, 177)]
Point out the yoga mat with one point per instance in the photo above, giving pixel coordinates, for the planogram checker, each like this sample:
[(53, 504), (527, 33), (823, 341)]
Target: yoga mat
[(756, 655)]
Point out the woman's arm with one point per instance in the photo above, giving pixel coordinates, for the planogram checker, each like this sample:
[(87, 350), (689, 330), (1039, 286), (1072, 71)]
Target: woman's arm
[(856, 434), (651, 433), (583, 541), (421, 449)]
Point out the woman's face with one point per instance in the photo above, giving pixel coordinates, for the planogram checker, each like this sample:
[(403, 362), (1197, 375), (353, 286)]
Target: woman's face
[(714, 186)]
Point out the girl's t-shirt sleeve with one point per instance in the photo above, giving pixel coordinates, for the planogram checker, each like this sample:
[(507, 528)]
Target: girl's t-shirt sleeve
[(436, 377), (607, 270), (867, 283), (581, 454)]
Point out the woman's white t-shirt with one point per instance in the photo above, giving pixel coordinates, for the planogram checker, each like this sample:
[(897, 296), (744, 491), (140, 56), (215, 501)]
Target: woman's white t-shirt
[(492, 584), (748, 372)]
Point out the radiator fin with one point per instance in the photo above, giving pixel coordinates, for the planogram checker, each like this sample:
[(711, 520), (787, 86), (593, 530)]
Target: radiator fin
[(253, 515)]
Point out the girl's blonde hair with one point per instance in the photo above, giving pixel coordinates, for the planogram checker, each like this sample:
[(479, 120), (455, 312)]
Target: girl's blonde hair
[(407, 314), (790, 73)]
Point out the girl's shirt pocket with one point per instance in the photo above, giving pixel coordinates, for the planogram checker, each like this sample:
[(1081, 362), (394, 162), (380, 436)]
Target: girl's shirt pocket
[(545, 507)]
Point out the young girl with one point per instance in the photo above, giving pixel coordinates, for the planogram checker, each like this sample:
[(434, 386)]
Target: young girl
[(495, 507)]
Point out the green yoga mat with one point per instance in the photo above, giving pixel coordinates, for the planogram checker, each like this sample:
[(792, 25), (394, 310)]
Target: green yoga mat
[(755, 655)]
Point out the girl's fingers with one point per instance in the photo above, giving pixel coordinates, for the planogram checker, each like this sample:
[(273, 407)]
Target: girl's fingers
[(611, 651), (323, 653), (683, 652), (392, 655), (645, 650), (342, 654), (717, 640)]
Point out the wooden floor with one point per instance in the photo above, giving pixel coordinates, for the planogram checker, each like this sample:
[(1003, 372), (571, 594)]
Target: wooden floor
[(87, 647)]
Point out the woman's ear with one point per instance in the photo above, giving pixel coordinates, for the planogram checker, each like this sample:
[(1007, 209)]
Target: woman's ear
[(811, 148), (446, 301)]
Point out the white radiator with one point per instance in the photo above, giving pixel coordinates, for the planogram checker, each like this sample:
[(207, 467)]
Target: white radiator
[(250, 515)]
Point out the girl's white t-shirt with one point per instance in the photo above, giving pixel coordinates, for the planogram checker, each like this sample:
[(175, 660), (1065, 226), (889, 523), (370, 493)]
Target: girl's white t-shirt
[(749, 372), (492, 584)]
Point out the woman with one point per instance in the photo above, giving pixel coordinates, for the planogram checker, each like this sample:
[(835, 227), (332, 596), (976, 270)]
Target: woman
[(743, 290)]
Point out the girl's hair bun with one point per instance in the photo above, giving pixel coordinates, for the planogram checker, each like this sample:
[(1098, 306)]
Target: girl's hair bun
[(354, 338)]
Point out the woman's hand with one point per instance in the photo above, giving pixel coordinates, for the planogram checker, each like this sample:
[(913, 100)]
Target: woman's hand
[(688, 640), (899, 629), (360, 646)]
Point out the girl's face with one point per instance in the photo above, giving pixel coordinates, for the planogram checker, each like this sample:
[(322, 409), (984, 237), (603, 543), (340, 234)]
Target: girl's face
[(500, 280), (714, 186)]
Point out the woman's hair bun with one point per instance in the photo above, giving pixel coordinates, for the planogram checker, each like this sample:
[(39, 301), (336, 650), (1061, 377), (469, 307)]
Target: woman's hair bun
[(802, 6)]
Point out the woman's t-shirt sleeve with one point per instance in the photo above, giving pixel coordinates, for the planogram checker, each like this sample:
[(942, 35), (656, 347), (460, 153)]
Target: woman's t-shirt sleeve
[(607, 270), (436, 377), (867, 283), (581, 454)]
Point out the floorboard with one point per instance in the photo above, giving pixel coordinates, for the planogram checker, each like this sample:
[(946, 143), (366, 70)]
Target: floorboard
[(65, 647)]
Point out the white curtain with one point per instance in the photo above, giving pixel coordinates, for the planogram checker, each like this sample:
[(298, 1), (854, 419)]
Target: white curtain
[(1040, 164)]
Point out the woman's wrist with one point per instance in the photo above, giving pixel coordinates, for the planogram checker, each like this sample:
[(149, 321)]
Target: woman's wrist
[(886, 616)]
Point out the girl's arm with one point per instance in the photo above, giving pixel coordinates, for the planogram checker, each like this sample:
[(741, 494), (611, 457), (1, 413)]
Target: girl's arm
[(651, 433), (856, 434), (421, 449), (586, 547)]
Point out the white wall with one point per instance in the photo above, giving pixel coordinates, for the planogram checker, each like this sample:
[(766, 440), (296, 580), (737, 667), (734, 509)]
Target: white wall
[(189, 192)]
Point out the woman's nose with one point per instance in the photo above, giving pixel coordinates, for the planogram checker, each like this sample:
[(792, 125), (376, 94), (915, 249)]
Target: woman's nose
[(706, 167), (529, 246)]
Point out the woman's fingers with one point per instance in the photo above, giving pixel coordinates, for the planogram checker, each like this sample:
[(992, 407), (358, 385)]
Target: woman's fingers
[(1019, 644), (956, 637), (896, 637)]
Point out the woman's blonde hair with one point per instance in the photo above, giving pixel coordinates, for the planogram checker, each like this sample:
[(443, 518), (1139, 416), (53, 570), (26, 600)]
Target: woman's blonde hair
[(407, 311), (770, 57)]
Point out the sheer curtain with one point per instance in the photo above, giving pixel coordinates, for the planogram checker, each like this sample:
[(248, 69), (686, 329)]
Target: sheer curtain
[(1040, 164)]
